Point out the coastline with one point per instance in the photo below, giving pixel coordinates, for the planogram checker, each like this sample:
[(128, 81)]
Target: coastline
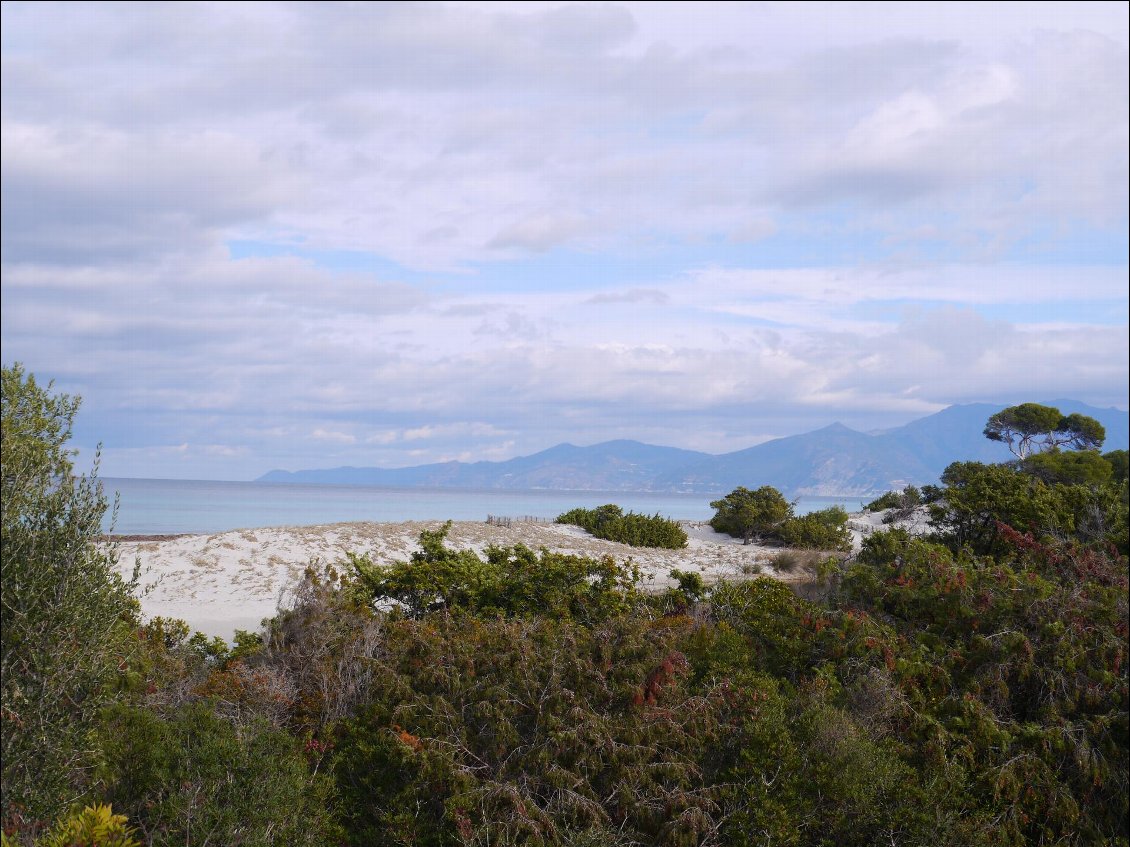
[(223, 581)]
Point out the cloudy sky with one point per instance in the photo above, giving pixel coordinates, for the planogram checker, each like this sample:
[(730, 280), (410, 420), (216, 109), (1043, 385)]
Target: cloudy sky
[(291, 236)]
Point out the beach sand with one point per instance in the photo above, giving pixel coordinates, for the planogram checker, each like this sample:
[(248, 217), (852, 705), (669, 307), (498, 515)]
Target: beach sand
[(229, 580)]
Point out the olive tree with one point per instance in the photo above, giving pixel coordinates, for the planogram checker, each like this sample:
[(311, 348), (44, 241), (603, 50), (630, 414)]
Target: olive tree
[(65, 606)]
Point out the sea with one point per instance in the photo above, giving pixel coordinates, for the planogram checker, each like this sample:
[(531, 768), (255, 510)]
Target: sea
[(168, 506)]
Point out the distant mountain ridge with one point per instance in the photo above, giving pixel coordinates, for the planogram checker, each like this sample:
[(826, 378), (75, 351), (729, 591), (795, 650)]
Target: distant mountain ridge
[(832, 461)]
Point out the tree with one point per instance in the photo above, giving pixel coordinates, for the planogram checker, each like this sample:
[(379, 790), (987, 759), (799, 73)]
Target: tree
[(749, 514), (979, 497), (1072, 467), (66, 610), (1032, 428), (1119, 464)]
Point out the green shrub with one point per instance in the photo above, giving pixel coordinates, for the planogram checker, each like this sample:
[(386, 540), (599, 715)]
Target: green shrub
[(690, 588), (1119, 462), (511, 581), (751, 515), (890, 500), (979, 499), (610, 523), (825, 529), (1017, 665), (191, 777), (94, 826), (67, 615), (539, 731), (907, 498)]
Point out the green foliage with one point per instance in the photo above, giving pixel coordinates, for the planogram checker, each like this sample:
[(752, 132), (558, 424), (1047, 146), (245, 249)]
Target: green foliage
[(980, 498), (67, 613), (529, 732), (901, 504), (610, 522), (969, 689), (191, 777), (749, 514), (825, 529), (1119, 461), (811, 773), (766, 516), (1074, 467), (1015, 665), (1030, 428), (889, 500), (511, 581), (94, 826), (691, 586), (768, 618)]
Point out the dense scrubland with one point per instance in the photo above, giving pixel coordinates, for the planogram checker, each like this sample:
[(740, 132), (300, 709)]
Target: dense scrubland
[(965, 688)]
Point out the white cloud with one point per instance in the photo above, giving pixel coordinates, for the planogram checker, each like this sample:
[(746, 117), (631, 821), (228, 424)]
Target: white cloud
[(333, 436), (517, 224)]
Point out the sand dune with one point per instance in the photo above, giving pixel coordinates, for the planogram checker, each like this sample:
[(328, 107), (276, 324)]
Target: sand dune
[(234, 579)]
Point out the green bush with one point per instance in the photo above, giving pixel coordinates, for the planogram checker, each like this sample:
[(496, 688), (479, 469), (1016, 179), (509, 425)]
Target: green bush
[(610, 523), (825, 529), (511, 581), (540, 731), (1016, 665), (980, 499), (1072, 467), (68, 616), (1119, 462), (191, 777), (904, 501), (94, 826), (889, 500), (751, 515)]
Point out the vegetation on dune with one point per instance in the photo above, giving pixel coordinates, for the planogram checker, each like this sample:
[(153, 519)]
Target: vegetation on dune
[(766, 517), (612, 524), (510, 581), (968, 688)]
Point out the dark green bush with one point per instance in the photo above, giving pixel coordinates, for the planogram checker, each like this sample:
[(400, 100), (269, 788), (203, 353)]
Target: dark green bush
[(68, 616), (540, 731), (903, 502), (191, 777), (612, 524), (511, 581), (751, 515), (825, 529)]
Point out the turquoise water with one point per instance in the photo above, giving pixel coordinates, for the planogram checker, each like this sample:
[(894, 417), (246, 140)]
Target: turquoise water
[(163, 506)]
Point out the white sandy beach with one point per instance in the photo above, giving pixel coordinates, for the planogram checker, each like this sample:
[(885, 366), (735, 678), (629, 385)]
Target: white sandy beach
[(234, 579)]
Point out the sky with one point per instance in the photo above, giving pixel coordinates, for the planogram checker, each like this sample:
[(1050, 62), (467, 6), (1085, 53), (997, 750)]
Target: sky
[(258, 236)]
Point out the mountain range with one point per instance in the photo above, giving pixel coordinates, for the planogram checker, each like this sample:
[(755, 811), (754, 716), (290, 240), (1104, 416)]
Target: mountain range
[(833, 461)]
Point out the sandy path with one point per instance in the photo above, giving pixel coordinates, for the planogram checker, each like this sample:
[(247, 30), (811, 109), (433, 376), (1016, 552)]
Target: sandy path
[(235, 579)]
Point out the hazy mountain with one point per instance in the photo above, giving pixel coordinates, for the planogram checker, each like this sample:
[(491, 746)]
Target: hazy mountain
[(610, 466), (956, 433), (834, 460)]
